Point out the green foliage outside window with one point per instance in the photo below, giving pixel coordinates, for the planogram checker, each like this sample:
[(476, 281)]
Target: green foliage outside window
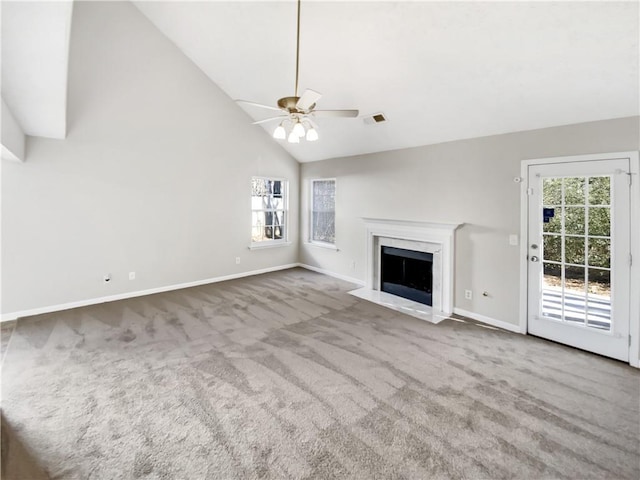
[(584, 204)]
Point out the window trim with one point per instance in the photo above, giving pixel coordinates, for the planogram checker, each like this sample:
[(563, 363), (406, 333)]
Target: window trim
[(311, 241), (284, 241)]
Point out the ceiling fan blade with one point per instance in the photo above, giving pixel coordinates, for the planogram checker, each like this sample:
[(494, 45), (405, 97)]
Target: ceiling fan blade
[(308, 99), (336, 113), (259, 105), (265, 120)]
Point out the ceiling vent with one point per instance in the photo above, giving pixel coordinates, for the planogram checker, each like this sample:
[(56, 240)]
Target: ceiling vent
[(375, 118)]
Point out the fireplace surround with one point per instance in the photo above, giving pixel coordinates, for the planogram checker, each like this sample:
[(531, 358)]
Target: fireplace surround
[(435, 239)]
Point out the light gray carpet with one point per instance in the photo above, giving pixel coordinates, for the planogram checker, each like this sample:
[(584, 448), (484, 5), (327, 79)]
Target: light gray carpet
[(6, 329), (285, 375)]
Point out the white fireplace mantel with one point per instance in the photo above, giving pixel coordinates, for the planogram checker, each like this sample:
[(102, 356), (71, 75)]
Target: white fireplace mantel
[(435, 238)]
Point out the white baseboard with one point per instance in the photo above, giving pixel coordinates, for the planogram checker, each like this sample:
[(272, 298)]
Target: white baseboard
[(488, 320), (333, 274), (6, 317)]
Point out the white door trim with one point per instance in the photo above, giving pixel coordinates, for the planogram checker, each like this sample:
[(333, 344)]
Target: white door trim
[(634, 307)]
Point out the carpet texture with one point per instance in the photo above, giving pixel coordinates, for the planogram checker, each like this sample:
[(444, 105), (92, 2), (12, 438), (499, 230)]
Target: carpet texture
[(285, 375), (6, 329)]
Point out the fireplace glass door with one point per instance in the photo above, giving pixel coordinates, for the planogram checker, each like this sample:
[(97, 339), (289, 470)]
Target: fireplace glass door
[(407, 274)]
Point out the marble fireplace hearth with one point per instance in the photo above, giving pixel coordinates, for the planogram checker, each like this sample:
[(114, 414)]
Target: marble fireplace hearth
[(432, 238)]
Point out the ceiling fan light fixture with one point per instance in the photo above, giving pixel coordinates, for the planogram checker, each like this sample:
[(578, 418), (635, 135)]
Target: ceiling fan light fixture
[(312, 135), (298, 129), (280, 133), (293, 137), (298, 110)]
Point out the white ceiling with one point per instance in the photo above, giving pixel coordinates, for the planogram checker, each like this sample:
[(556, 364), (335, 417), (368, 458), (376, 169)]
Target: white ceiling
[(35, 57), (440, 71)]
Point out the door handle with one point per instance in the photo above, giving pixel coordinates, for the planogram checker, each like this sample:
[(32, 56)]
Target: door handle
[(535, 259)]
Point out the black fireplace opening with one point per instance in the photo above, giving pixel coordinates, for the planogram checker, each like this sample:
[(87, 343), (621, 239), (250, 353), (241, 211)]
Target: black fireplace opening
[(407, 274)]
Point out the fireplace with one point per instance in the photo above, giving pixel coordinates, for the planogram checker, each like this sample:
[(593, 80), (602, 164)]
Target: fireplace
[(407, 274), (409, 267)]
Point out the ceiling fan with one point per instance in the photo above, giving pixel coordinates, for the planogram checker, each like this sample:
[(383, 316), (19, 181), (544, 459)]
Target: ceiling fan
[(296, 113)]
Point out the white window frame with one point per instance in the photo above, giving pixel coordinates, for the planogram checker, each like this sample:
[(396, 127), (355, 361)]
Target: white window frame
[(335, 188), (285, 208)]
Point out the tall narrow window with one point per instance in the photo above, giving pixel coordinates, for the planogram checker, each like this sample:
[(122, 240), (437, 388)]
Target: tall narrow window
[(268, 210), (323, 211)]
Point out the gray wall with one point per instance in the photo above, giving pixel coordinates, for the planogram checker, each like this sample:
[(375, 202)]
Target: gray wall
[(467, 181), (154, 176)]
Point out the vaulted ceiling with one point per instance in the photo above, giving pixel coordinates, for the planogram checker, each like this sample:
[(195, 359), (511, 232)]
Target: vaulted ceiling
[(439, 71)]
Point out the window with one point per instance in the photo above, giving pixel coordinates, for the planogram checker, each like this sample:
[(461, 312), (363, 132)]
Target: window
[(268, 210), (323, 211)]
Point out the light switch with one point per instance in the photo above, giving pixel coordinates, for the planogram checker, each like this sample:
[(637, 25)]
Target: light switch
[(513, 239)]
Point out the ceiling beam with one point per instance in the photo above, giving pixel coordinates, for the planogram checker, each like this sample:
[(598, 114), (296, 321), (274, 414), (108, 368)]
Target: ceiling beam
[(13, 141), (35, 64)]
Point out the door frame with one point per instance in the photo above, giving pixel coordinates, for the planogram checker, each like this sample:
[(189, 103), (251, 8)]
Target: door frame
[(634, 306)]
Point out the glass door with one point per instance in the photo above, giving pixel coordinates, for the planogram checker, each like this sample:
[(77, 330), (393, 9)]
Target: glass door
[(579, 255)]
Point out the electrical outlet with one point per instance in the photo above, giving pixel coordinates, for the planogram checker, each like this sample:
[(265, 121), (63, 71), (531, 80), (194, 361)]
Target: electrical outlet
[(106, 278), (237, 260), (132, 275), (468, 294)]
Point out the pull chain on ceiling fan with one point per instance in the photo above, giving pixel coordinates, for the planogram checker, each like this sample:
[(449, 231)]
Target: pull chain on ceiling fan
[(297, 112)]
